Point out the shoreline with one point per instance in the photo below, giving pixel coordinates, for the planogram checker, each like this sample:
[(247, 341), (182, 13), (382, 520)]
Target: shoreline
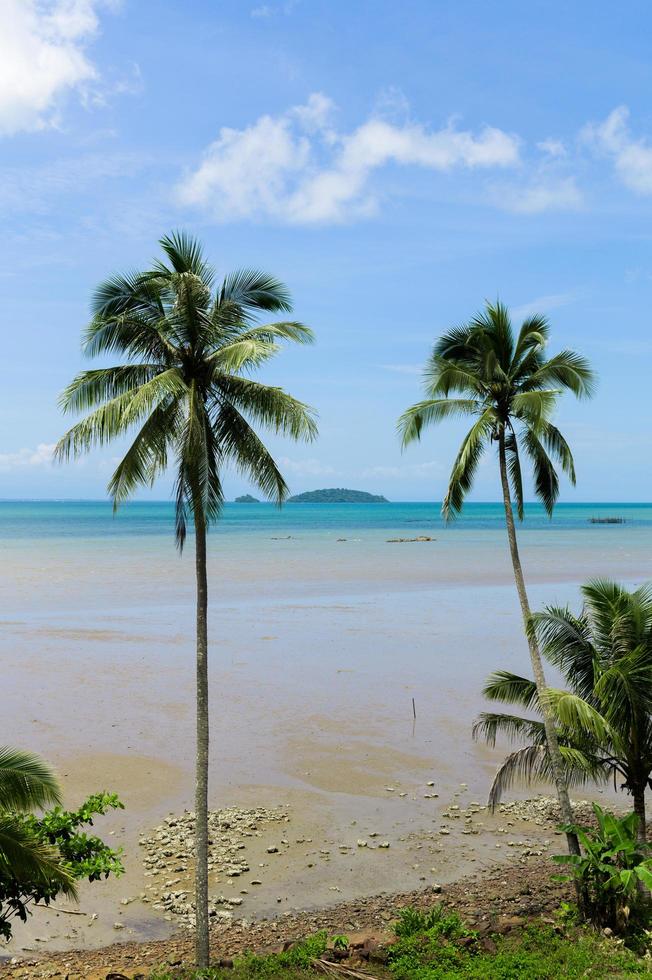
[(292, 860), (498, 898)]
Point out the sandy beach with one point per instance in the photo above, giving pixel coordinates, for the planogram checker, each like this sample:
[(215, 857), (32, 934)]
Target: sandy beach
[(318, 646)]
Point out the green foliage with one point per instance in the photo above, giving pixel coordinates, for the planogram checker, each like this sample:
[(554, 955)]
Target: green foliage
[(296, 961), (436, 920), (510, 390), (74, 855), (538, 953), (298, 957), (340, 942), (603, 715), (610, 871), (183, 390)]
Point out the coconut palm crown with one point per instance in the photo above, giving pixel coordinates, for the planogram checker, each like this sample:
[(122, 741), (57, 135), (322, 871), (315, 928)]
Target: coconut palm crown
[(189, 345), (604, 720), (508, 386)]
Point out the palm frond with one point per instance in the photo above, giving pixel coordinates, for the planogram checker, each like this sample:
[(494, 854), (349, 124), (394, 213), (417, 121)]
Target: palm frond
[(26, 781), (546, 481), (292, 330), (577, 715), (242, 446), (504, 686), (567, 369), (514, 471), (430, 412), (186, 256), (252, 290), (267, 405), (25, 858), (533, 335), (567, 644), (557, 445), (531, 764), (116, 416), (466, 463), (91, 388), (489, 725)]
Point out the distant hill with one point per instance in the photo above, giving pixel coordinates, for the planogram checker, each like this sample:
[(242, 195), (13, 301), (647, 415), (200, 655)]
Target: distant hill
[(337, 495), (246, 498)]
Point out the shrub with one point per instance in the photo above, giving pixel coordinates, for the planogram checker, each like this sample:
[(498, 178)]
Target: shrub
[(613, 874)]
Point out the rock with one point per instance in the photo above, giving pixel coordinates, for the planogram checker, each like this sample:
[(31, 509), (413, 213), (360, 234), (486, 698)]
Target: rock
[(361, 843), (118, 925), (506, 923), (273, 849), (435, 888)]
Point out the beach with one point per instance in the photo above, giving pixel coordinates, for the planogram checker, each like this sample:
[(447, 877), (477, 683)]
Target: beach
[(322, 631)]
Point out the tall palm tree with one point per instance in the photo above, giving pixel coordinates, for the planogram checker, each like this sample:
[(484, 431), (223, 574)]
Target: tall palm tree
[(604, 721), (510, 389), (27, 783), (189, 346)]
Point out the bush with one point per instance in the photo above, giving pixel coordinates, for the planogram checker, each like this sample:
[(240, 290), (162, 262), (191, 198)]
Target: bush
[(613, 874), (81, 855)]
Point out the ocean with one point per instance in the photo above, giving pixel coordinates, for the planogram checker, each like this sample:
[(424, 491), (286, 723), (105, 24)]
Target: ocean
[(85, 518)]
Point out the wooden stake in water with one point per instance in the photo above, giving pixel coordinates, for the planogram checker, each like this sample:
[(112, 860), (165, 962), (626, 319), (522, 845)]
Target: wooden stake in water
[(414, 709)]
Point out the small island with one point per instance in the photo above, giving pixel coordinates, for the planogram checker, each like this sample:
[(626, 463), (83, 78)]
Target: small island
[(246, 498), (337, 495)]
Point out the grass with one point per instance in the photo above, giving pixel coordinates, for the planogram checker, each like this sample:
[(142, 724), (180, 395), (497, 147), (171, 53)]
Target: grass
[(427, 948)]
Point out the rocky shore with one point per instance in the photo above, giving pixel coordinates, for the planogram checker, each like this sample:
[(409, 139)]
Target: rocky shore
[(521, 887), (169, 853)]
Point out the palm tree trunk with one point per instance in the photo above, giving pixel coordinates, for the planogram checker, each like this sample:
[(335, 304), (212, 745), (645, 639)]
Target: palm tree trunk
[(201, 780), (639, 810), (535, 657)]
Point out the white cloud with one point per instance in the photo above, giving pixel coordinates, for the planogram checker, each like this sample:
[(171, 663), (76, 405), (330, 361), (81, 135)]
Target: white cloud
[(632, 158), (553, 148), (32, 189), (41, 456), (414, 471), (305, 467), (296, 168), (42, 56), (542, 194), (403, 368), (541, 304), (266, 10)]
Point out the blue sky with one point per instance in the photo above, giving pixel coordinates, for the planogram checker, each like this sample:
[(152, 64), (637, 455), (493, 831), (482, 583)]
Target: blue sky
[(395, 164)]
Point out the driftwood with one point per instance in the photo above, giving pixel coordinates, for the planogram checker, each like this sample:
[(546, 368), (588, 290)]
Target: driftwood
[(52, 908), (340, 970)]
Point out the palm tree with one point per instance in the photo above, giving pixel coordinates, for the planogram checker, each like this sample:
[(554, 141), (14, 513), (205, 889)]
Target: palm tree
[(188, 347), (27, 783), (509, 388), (604, 722)]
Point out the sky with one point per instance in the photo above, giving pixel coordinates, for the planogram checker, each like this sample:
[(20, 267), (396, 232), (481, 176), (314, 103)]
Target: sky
[(395, 164)]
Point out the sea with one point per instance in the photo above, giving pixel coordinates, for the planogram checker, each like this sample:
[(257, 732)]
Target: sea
[(29, 519)]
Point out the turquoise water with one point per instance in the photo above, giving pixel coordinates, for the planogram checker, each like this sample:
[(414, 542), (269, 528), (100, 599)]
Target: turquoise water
[(95, 519)]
